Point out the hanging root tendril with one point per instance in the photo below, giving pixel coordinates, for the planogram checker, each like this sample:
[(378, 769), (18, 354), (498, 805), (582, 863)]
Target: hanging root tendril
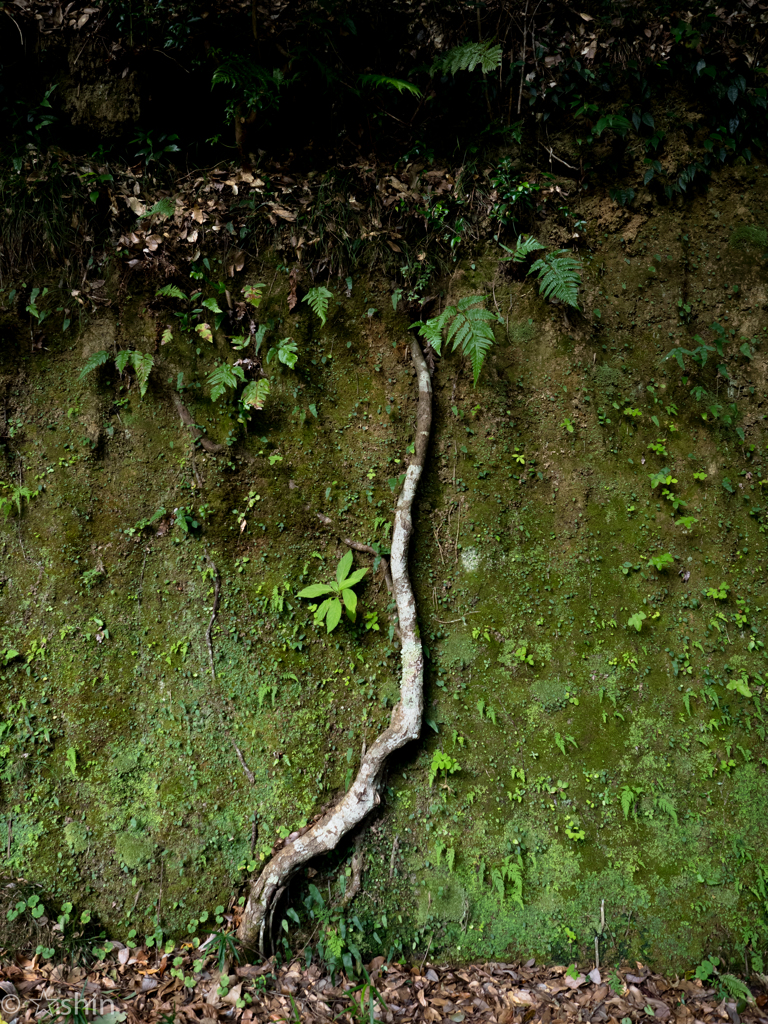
[(255, 928)]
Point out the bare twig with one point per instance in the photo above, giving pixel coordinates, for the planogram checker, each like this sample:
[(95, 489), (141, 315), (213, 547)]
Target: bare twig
[(553, 156), (248, 773)]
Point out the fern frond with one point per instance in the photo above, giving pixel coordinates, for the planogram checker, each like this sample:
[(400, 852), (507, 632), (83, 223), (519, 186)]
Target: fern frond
[(467, 327), (142, 364), (468, 56), (736, 988), (97, 359), (255, 394), (164, 208), (559, 276), (392, 83), (171, 291), (627, 799), (665, 804), (122, 359), (318, 299), (524, 247), (223, 377)]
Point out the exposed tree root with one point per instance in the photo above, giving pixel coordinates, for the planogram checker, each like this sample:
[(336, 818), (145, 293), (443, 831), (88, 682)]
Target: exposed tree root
[(188, 420), (405, 725)]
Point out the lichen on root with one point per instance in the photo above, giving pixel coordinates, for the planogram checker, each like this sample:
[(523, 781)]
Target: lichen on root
[(404, 726)]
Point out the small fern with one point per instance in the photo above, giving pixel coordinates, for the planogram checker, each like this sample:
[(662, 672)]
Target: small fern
[(223, 377), (255, 394), (97, 359), (628, 796), (467, 325), (559, 276), (391, 83), (559, 272), (164, 207), (318, 299), (468, 56), (736, 988), (665, 804), (526, 244), (171, 291), (142, 363)]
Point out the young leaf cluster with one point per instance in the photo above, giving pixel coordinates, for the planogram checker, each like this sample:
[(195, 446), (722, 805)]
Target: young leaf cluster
[(338, 591), (466, 326)]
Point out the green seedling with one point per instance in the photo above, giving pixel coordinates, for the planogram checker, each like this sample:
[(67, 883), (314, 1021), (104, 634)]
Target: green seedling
[(340, 591), (637, 620), (662, 562), (442, 762)]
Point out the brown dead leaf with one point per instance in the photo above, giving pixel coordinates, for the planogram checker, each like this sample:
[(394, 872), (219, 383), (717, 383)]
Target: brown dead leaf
[(281, 212), (292, 283)]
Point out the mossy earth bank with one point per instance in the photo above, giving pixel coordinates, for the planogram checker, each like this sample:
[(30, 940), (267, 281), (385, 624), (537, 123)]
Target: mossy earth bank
[(606, 713)]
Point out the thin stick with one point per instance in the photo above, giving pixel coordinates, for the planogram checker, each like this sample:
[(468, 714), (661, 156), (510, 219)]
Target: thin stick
[(254, 832), (437, 539), (458, 527), (552, 157), (248, 773), (522, 69), (214, 611), (395, 845)]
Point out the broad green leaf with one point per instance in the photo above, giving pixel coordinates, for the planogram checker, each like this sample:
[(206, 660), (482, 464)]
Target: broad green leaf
[(322, 611), (343, 567), (356, 576), (315, 590), (333, 615), (350, 602)]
